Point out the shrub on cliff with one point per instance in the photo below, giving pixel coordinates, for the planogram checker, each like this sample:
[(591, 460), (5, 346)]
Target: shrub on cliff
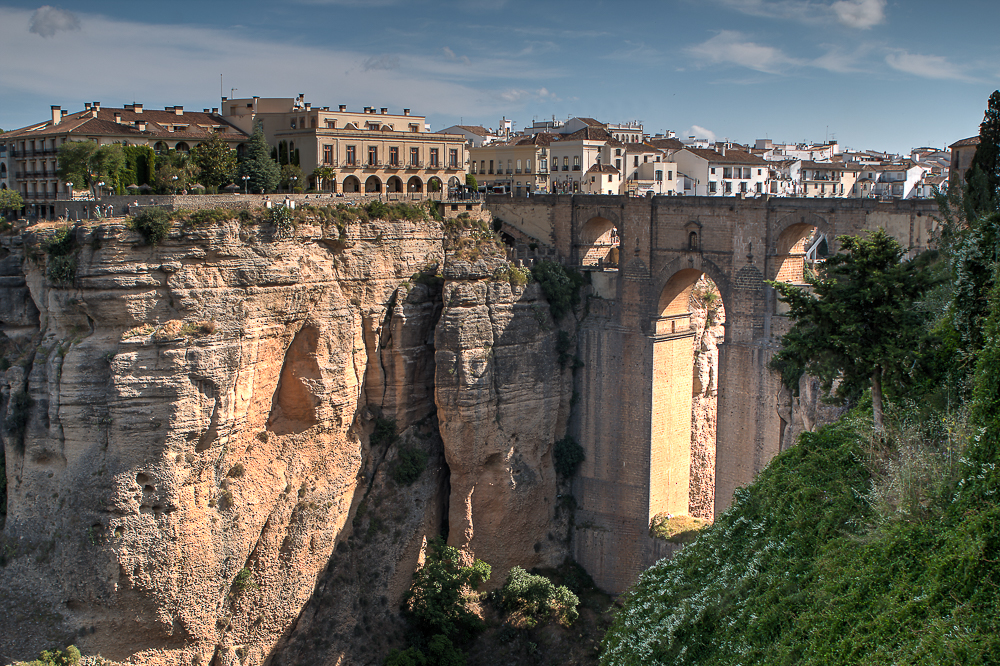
[(438, 601), (71, 657), (535, 598), (567, 455), (152, 223), (560, 285)]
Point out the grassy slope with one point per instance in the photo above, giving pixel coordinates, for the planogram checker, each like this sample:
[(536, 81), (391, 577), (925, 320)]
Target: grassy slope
[(796, 573)]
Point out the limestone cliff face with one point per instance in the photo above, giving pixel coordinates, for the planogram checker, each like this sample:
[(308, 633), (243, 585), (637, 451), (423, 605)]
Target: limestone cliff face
[(503, 401), (197, 429), (188, 437)]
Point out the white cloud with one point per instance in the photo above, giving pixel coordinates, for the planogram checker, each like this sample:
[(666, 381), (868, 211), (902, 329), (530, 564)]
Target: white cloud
[(47, 21), (385, 62), (163, 65), (520, 95), (861, 14), (731, 47), (701, 133), (451, 56), (926, 66)]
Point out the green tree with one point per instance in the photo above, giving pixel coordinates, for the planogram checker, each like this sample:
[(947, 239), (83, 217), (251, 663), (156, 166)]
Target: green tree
[(291, 177), (323, 176), (10, 200), (437, 599), (983, 176), (108, 164), (216, 161), (74, 163), (857, 324), (471, 183), (263, 172)]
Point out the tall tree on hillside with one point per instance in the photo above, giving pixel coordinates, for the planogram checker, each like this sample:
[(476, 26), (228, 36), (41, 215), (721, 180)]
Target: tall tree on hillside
[(264, 172), (216, 160), (859, 325), (983, 176)]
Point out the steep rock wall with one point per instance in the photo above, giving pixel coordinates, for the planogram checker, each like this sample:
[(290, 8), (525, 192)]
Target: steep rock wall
[(178, 488), (503, 400)]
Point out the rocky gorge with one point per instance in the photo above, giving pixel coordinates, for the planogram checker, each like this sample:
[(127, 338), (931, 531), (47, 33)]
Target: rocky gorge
[(193, 470)]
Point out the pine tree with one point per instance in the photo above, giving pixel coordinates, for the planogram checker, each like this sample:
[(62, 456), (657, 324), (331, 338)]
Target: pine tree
[(859, 325), (264, 172)]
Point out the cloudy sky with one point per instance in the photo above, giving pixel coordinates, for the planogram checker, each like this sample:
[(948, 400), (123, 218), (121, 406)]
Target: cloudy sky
[(874, 74)]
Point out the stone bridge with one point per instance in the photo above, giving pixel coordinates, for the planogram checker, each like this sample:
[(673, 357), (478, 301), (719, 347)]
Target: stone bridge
[(633, 417)]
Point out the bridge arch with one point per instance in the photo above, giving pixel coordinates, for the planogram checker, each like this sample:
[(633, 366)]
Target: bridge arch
[(599, 242), (685, 388), (793, 235)]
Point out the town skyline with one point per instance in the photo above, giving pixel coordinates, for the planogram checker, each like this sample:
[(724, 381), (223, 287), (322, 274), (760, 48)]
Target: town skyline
[(871, 74)]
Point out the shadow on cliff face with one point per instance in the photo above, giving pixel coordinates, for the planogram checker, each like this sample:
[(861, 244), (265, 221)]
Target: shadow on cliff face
[(293, 407)]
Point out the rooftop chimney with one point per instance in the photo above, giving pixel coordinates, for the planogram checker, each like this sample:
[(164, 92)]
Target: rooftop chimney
[(97, 105), (308, 105), (137, 108), (215, 109), (118, 117), (56, 115), (65, 112), (140, 125), (204, 110), (86, 106), (366, 109), (384, 110), (343, 107), (178, 110), (406, 112)]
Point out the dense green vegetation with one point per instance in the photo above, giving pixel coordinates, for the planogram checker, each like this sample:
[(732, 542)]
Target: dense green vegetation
[(860, 544)]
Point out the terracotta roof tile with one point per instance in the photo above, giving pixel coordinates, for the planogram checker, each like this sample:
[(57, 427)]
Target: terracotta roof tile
[(971, 141)]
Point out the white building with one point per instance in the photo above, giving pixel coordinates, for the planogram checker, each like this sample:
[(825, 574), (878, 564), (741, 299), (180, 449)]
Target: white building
[(723, 172)]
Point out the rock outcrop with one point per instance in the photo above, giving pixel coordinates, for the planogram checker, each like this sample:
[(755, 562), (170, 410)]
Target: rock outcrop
[(190, 436), (196, 432), (503, 400)]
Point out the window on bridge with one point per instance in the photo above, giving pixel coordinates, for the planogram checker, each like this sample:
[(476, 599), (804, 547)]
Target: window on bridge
[(599, 244)]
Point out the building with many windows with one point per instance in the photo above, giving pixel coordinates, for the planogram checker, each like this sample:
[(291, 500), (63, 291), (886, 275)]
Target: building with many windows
[(370, 151), (32, 151), (721, 172)]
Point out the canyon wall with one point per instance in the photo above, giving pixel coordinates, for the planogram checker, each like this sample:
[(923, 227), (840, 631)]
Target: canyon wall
[(192, 472)]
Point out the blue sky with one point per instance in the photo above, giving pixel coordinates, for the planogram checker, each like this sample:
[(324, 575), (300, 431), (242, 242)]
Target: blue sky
[(874, 74)]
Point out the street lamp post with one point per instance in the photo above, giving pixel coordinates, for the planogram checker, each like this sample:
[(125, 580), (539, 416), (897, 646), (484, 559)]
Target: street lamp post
[(246, 184), (174, 179), (291, 183)]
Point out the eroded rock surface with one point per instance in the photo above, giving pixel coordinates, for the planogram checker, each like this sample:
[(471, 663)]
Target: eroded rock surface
[(196, 435)]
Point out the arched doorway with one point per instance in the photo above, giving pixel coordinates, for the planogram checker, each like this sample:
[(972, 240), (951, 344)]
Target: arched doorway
[(434, 184), (182, 147), (599, 243), (373, 184), (394, 184), (160, 147), (352, 185), (414, 184)]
